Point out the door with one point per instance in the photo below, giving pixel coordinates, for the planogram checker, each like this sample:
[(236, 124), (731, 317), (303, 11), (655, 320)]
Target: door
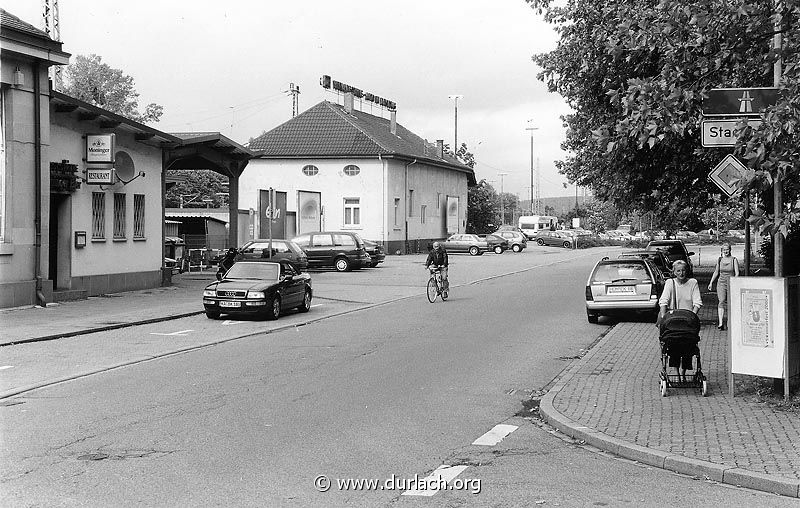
[(60, 248), (320, 250)]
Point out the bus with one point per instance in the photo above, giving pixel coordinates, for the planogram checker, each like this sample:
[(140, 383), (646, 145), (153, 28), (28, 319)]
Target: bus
[(532, 224)]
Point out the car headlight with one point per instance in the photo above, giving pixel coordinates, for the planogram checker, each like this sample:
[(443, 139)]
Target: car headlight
[(209, 292), (255, 294)]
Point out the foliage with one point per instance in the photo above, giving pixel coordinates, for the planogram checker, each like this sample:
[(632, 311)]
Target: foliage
[(196, 186), (95, 82), (483, 211), (791, 258), (635, 74), (510, 203)]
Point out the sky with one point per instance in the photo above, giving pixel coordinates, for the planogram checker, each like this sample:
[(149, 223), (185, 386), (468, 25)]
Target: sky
[(226, 67)]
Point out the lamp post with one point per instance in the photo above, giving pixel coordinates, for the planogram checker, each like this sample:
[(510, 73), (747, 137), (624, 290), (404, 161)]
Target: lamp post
[(502, 201), (455, 130), (531, 129)]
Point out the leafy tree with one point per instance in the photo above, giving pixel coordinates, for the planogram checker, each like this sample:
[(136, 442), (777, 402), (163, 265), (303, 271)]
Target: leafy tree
[(195, 186), (95, 82), (510, 203), (483, 211), (635, 74)]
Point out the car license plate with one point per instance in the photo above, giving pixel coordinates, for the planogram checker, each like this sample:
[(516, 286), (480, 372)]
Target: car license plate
[(230, 304), (620, 290)]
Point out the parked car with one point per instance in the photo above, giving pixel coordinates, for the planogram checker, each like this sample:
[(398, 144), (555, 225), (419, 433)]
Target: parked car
[(620, 236), (736, 233), (466, 243), (282, 250), (674, 250), (657, 257), (497, 243), (376, 253), (509, 227), (622, 286), (258, 288), (557, 238), (685, 235), (516, 239), (342, 250)]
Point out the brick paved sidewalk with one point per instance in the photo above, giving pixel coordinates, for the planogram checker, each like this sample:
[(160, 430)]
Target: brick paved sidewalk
[(611, 399)]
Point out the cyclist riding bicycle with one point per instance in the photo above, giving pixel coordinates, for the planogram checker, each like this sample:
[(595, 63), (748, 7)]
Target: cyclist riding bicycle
[(437, 259)]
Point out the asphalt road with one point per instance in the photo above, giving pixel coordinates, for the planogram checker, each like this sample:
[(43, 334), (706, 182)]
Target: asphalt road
[(391, 391)]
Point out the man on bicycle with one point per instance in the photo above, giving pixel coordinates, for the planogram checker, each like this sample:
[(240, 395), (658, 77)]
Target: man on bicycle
[(437, 258)]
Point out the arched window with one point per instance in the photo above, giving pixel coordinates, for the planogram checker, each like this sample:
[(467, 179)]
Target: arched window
[(352, 170), (310, 170)]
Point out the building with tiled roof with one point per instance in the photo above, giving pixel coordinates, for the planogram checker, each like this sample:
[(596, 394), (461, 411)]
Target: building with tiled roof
[(336, 168)]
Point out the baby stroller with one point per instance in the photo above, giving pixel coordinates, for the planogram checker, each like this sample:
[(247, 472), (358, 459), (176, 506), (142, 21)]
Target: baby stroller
[(679, 336)]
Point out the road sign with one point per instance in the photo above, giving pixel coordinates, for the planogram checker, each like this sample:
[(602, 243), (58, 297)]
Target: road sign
[(722, 133), (738, 101), (727, 175)]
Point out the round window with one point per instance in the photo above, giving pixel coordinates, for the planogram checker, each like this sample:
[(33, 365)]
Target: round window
[(310, 170), (352, 170)]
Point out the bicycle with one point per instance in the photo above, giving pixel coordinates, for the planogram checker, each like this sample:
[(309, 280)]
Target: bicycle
[(435, 285)]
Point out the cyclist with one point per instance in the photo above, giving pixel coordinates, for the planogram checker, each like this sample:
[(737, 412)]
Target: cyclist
[(437, 258)]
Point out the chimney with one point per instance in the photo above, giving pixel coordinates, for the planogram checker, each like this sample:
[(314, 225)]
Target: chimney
[(440, 148), (348, 103)]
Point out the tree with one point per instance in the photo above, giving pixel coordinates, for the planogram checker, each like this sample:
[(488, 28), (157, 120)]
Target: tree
[(482, 208), (635, 75), (95, 82), (195, 188)]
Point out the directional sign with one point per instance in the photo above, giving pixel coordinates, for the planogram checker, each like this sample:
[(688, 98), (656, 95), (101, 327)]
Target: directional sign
[(738, 101), (727, 175), (722, 133)]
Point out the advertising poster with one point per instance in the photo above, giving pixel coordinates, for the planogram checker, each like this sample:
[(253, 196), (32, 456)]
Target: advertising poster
[(277, 213), (756, 318), (758, 326), (309, 211), (452, 215)]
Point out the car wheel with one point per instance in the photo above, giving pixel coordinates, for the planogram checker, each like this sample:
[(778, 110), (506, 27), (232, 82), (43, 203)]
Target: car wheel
[(540, 242), (342, 264), (516, 248), (210, 314), (306, 305), (592, 318), (498, 250), (274, 308), (373, 265), (474, 251), (566, 245)]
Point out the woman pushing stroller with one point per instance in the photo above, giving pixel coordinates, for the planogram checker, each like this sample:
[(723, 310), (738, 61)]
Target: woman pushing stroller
[(682, 293)]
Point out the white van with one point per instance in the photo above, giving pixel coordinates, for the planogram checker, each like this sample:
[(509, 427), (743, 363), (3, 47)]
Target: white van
[(532, 224)]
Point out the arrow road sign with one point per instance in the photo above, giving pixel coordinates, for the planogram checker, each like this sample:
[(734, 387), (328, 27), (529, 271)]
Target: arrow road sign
[(738, 101), (722, 133), (727, 175)]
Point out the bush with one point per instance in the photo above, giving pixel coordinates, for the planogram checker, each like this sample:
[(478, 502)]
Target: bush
[(791, 253)]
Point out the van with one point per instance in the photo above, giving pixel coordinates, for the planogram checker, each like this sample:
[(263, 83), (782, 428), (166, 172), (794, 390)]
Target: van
[(532, 224)]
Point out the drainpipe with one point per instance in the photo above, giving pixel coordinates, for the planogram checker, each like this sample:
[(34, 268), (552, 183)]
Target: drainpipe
[(405, 211), (384, 226), (37, 161)]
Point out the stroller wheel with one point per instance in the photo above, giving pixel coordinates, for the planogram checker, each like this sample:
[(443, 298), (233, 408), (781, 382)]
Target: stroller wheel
[(704, 388), (663, 388)]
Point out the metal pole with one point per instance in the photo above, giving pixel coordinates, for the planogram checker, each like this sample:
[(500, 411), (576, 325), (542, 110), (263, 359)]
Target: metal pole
[(502, 201), (269, 215), (746, 232), (455, 128), (778, 240), (532, 163)]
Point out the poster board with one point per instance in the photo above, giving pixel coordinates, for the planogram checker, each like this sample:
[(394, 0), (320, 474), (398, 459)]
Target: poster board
[(452, 215), (759, 326)]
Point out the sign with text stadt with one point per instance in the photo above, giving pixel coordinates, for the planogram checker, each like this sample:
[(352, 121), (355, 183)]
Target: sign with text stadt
[(738, 101), (727, 175), (723, 133)]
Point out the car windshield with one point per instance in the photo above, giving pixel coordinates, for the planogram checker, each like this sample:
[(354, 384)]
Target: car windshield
[(253, 271), (620, 272)]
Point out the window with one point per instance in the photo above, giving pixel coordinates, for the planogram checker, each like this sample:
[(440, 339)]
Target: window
[(410, 202), (344, 241), (438, 210), (422, 213), (99, 215), (322, 241), (396, 211), (352, 170), (138, 215), (302, 240), (352, 211), (119, 215), (310, 170)]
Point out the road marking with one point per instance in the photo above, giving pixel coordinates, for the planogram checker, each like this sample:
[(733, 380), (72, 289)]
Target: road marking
[(180, 333), (495, 435), (442, 474), (4, 367), (232, 322)]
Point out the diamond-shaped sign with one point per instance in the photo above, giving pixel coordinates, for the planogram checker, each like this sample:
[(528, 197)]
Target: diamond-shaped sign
[(727, 175)]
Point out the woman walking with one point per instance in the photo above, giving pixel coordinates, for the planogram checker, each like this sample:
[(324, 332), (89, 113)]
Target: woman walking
[(727, 265)]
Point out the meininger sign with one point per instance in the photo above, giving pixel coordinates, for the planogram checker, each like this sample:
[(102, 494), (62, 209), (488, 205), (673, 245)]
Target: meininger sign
[(100, 148)]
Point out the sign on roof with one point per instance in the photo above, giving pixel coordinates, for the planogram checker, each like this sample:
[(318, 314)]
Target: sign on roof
[(739, 101), (727, 175)]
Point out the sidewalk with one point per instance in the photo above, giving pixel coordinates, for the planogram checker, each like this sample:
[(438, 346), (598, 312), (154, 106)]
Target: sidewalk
[(611, 399)]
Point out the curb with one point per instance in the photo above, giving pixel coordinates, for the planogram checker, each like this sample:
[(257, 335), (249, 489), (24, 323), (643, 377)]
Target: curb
[(664, 460)]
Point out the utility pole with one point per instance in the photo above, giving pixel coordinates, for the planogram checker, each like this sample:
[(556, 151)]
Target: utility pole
[(455, 131), (778, 241), (294, 91), (502, 201), (532, 163)]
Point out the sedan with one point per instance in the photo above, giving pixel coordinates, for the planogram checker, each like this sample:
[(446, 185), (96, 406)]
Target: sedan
[(375, 251), (258, 288), (466, 243), (518, 241), (274, 250), (557, 238), (497, 243)]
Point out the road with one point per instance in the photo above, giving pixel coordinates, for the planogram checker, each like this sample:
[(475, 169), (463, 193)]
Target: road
[(388, 392)]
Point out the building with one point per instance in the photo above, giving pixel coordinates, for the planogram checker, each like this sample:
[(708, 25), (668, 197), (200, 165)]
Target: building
[(336, 168)]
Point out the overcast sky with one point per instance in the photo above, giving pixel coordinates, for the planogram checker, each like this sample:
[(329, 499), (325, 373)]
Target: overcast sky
[(224, 66)]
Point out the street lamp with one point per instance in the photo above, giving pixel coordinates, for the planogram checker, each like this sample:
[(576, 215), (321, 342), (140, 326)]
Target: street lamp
[(531, 129), (455, 133), (502, 200)]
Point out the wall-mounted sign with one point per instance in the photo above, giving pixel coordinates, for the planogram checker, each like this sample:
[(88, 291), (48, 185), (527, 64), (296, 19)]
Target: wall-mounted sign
[(80, 239), (452, 215), (723, 133), (100, 176), (100, 148)]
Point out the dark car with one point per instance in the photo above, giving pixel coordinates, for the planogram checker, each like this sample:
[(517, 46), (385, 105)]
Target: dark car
[(496, 243), (462, 242), (342, 250), (657, 257), (516, 239), (282, 250), (375, 251), (620, 286), (674, 250), (557, 238), (258, 288)]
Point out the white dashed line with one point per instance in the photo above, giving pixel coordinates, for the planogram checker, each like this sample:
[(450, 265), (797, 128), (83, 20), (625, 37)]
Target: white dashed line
[(442, 474), (495, 435), (4, 367)]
